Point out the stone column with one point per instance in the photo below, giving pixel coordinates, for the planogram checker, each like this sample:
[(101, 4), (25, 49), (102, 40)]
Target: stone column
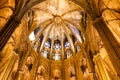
[(75, 67), (7, 30), (79, 72), (9, 67), (103, 75), (111, 45), (34, 68), (91, 67), (63, 71), (23, 54)]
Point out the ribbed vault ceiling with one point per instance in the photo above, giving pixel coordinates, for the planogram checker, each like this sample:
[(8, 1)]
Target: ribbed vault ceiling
[(56, 28)]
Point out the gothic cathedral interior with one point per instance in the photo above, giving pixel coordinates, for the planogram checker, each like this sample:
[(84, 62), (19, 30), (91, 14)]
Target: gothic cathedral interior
[(59, 39)]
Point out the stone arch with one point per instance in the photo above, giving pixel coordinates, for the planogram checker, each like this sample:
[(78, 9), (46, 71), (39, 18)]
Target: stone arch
[(72, 74), (40, 73), (56, 74)]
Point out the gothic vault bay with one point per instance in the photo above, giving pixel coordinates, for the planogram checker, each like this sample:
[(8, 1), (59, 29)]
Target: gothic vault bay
[(59, 39)]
